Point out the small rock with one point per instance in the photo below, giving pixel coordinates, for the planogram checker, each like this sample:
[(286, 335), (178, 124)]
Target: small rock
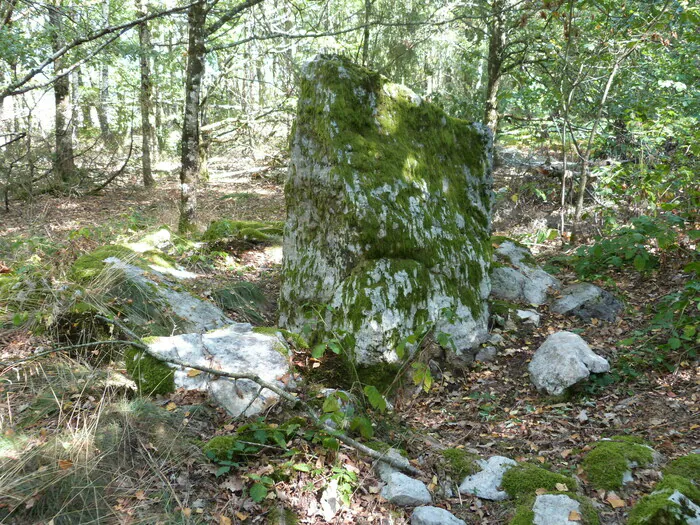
[(563, 360), (434, 516), (555, 509), (486, 355), (330, 503), (582, 416), (485, 484), (495, 339), (528, 317), (587, 301), (405, 491), (384, 470)]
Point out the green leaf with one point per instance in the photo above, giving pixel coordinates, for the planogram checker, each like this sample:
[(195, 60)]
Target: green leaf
[(331, 404), (223, 470), (640, 263), (318, 351), (301, 467), (335, 347), (363, 426), (258, 492), (375, 398), (331, 443), (674, 343)]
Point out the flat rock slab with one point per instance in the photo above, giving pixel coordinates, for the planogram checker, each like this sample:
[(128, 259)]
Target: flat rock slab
[(555, 509), (187, 312), (563, 360), (486, 484), (587, 301), (519, 279), (235, 349), (434, 516), (405, 491)]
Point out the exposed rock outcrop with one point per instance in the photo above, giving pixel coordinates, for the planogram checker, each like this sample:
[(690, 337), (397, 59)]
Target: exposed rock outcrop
[(388, 211)]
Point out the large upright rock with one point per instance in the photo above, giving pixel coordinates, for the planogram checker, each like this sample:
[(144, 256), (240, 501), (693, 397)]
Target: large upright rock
[(388, 211)]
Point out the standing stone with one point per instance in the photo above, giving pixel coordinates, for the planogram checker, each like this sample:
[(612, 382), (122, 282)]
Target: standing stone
[(388, 215)]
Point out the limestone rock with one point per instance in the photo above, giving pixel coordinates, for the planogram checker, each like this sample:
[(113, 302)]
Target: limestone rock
[(486, 355), (528, 317), (405, 491), (384, 470), (486, 483), (587, 301), (518, 278), (434, 516), (563, 360), (330, 501), (234, 349), (388, 211), (665, 506), (554, 509), (175, 309)]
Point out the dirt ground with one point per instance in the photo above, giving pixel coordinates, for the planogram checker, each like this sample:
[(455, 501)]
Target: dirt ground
[(486, 408)]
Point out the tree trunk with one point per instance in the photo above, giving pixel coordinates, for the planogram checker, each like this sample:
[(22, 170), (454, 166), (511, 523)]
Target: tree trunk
[(189, 172), (497, 43), (145, 96), (64, 162), (104, 85), (365, 34)]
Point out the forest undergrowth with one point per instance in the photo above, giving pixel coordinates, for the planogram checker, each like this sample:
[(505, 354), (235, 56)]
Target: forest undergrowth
[(79, 445)]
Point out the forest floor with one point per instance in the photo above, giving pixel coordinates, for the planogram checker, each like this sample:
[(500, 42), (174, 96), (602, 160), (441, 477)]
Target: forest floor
[(488, 408)]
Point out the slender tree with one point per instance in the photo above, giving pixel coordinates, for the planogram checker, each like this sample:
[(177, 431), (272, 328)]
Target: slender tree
[(145, 96)]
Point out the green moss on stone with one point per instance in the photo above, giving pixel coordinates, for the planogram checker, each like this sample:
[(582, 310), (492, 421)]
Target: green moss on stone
[(459, 463), (524, 514), (607, 463), (253, 231), (683, 485), (656, 509), (282, 516), (219, 447), (685, 466), (88, 266), (523, 480), (152, 376)]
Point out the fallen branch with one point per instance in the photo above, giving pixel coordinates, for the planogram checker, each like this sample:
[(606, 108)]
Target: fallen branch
[(65, 348), (364, 449)]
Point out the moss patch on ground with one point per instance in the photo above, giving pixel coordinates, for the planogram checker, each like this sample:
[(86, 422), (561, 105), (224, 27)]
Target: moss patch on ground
[(251, 231), (607, 463), (459, 463), (219, 447), (523, 480), (685, 466), (682, 485), (152, 377), (657, 509), (88, 266)]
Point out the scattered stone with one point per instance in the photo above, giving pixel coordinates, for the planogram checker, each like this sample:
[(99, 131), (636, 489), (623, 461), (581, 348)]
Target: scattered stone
[(486, 483), (384, 470), (330, 502), (612, 461), (563, 360), (234, 349), (486, 355), (434, 516), (517, 277), (555, 509), (495, 339), (665, 506), (528, 317), (405, 491), (587, 301), (582, 416), (363, 145)]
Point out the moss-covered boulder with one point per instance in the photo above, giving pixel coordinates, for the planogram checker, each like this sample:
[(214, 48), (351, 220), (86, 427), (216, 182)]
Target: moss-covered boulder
[(665, 507), (609, 465), (250, 231), (388, 211), (525, 480), (553, 509), (147, 290)]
